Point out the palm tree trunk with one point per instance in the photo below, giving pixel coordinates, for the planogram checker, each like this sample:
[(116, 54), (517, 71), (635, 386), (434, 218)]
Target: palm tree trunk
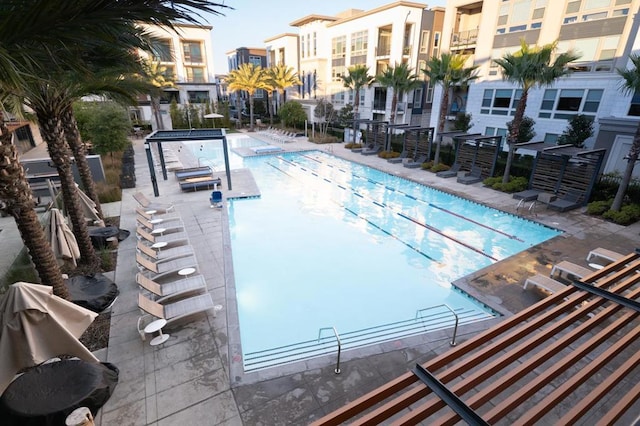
[(444, 104), (71, 133), (155, 106), (634, 152), (251, 128), (513, 134), (394, 105), (18, 198), (59, 153)]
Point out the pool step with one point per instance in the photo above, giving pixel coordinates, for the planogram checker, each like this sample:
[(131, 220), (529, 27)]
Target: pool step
[(327, 344)]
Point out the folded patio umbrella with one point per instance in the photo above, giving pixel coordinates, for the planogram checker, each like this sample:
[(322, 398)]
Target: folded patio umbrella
[(63, 242), (36, 325), (89, 208)]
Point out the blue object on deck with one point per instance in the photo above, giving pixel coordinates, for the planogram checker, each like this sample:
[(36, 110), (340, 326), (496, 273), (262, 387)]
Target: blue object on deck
[(216, 199)]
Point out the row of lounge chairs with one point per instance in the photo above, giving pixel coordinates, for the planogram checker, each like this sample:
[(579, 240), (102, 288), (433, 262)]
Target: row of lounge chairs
[(569, 270), (170, 287), (563, 203), (279, 135), (196, 178)]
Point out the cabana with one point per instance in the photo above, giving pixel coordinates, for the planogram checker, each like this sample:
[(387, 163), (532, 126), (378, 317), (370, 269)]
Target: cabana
[(418, 142), (375, 133), (564, 169), (480, 151)]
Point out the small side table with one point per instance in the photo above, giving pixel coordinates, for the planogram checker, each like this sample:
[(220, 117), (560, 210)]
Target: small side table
[(186, 272), (596, 266), (158, 231), (156, 326), (156, 221), (159, 246), (151, 212)]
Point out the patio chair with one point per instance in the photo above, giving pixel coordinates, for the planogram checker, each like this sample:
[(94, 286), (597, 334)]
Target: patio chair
[(527, 194), (216, 199), (144, 202), (165, 268), (570, 269), (570, 201), (164, 253), (197, 183), (546, 283), (474, 176), (171, 238), (604, 254), (452, 172), (399, 159), (174, 312), (371, 150), (173, 290), (151, 224), (192, 172), (411, 164), (141, 211)]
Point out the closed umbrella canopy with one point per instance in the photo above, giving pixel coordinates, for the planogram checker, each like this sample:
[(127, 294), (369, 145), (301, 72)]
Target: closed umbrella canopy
[(63, 242), (89, 208), (35, 325)]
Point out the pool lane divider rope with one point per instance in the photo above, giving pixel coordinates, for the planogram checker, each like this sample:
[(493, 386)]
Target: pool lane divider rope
[(402, 215), (416, 249), (513, 237)]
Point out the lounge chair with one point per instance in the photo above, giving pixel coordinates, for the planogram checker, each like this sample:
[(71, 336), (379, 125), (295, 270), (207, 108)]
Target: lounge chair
[(173, 290), (474, 176), (527, 195), (371, 150), (165, 268), (172, 238), (604, 254), (411, 164), (452, 172), (570, 269), (164, 253), (142, 212), (216, 199), (192, 172), (176, 311), (151, 224), (144, 202), (399, 159), (197, 183), (544, 282), (568, 202)]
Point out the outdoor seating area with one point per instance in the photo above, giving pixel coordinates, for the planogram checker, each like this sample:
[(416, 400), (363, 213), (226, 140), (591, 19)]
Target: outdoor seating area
[(171, 289), (278, 135)]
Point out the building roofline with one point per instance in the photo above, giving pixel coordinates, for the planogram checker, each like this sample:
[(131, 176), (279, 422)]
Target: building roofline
[(378, 10), (280, 36), (312, 17)]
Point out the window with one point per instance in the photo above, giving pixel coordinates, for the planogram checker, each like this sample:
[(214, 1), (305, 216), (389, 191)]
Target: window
[(359, 43), (302, 46), (429, 96), (620, 12), (495, 131), (424, 42), (592, 102), (315, 46), (337, 98), (594, 16), (517, 28), (417, 98), (255, 60), (570, 20), (192, 51), (435, 52), (309, 45), (338, 72), (195, 75), (198, 96), (162, 51), (339, 47), (634, 108), (536, 25), (500, 101), (596, 4), (502, 98), (570, 99), (569, 102), (551, 138)]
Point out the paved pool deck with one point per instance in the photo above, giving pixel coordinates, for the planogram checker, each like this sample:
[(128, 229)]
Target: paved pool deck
[(196, 377)]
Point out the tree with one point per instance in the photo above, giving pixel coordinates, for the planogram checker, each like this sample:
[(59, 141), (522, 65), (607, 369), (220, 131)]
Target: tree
[(280, 78), (345, 115), (462, 122), (580, 129), (400, 80), (325, 113), (630, 84), (355, 79), (530, 67), (292, 113), (526, 132), (448, 71), (248, 78), (156, 76), (106, 125)]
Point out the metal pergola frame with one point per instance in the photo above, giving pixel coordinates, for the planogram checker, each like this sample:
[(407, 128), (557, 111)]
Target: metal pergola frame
[(160, 136)]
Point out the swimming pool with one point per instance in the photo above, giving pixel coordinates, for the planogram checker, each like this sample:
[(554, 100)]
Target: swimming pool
[(332, 243)]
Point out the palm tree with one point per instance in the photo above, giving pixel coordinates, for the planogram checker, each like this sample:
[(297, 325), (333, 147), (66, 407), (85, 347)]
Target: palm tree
[(400, 80), (248, 78), (630, 84), (530, 67), (356, 78), (155, 74), (448, 71), (280, 78)]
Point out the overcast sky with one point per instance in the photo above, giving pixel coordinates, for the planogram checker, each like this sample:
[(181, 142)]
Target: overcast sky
[(251, 22)]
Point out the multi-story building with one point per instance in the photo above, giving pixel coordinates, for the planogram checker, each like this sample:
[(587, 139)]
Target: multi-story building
[(186, 56), (246, 55), (603, 32), (283, 50)]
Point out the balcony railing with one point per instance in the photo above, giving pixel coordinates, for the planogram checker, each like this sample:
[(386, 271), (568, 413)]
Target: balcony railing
[(383, 49), (464, 38), (379, 105)]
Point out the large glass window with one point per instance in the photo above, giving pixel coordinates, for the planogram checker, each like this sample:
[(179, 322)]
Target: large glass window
[(255, 60), (198, 96), (500, 101), (302, 46), (502, 98), (634, 108), (192, 51), (566, 103), (570, 99), (162, 51), (195, 75), (424, 42), (339, 47), (337, 73), (359, 43)]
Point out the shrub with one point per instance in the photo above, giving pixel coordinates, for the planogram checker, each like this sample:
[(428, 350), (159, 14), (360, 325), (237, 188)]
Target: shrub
[(597, 208), (427, 166), (627, 215), (388, 154), (353, 145), (515, 184), (324, 139), (440, 167)]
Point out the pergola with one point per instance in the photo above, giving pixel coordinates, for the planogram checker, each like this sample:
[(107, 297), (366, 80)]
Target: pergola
[(173, 136), (560, 169), (572, 358), (478, 150), (418, 141)]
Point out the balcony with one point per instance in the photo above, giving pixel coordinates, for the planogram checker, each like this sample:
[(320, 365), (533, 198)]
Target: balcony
[(464, 38)]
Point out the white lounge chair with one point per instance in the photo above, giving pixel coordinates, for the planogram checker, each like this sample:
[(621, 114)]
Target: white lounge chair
[(176, 311), (173, 290), (141, 211), (604, 254), (144, 202), (166, 268), (168, 223), (171, 237), (164, 253), (544, 282), (570, 269)]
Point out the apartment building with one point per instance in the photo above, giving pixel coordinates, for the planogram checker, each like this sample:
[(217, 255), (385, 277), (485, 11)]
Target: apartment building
[(604, 32), (186, 56)]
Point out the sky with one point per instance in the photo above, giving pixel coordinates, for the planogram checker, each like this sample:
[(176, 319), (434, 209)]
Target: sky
[(253, 21)]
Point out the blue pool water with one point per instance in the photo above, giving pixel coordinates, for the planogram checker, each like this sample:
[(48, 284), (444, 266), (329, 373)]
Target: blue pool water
[(332, 243)]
